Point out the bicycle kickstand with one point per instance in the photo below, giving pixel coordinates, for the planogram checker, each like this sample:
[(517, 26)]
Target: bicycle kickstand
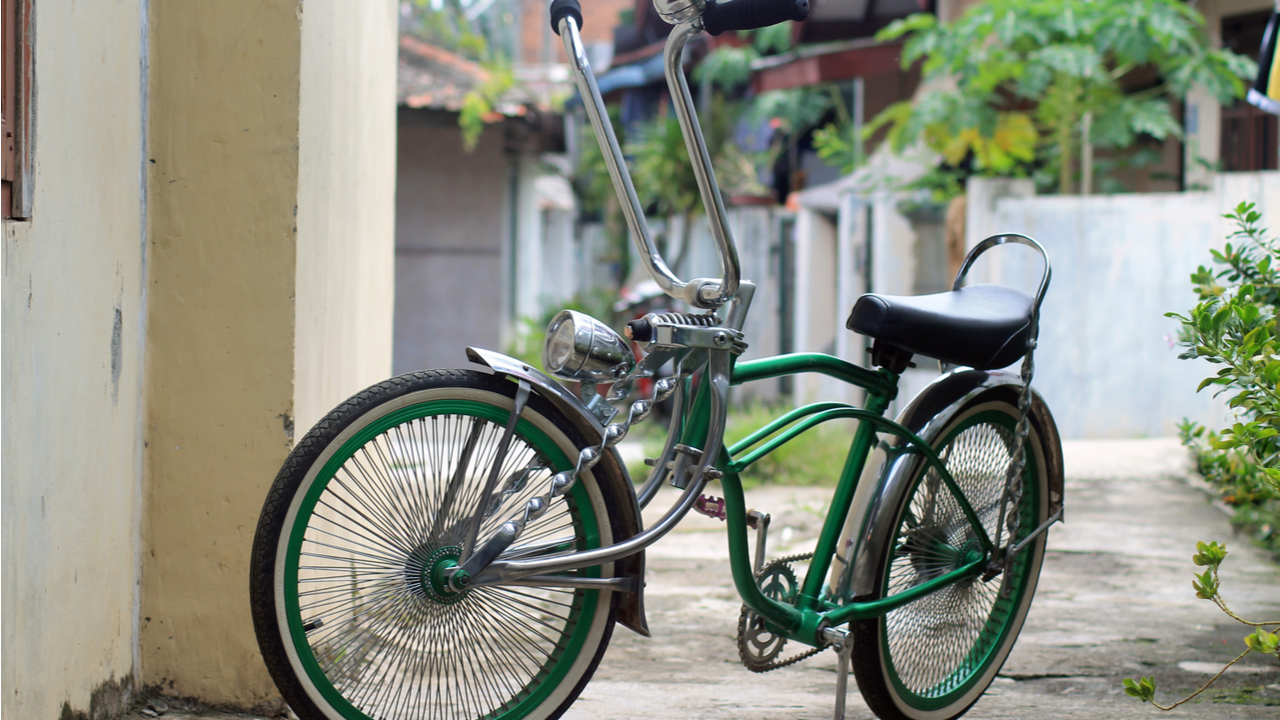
[(844, 648)]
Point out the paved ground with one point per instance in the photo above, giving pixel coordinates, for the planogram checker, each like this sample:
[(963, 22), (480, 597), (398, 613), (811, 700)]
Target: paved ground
[(1114, 600)]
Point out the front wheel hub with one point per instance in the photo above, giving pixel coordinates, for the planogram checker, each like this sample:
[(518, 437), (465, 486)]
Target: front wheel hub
[(437, 567)]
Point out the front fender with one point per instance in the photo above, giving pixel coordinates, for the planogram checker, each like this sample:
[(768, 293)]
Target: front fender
[(888, 474), (610, 472)]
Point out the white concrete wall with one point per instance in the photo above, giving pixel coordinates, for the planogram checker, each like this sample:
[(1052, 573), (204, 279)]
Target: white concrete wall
[(817, 286), (529, 251), (346, 203), (1107, 363), (74, 318), (757, 235)]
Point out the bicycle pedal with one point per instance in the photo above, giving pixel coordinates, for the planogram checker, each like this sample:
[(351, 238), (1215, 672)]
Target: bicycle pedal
[(711, 507)]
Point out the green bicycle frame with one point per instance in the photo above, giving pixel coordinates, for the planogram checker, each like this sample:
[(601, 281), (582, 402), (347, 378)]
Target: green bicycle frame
[(812, 612)]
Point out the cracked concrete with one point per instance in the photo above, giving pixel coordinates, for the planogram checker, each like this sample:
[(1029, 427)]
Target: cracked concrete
[(1114, 600)]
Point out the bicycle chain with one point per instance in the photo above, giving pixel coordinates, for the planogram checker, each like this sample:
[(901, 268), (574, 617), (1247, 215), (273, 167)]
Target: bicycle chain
[(1012, 496), (744, 653)]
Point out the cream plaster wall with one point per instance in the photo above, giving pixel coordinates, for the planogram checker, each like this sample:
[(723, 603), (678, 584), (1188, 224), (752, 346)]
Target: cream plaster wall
[(346, 203), (271, 226), (224, 187), (73, 316), (177, 292)]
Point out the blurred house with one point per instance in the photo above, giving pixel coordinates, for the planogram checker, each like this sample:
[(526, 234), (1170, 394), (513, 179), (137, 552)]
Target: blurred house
[(484, 238), (1112, 372)]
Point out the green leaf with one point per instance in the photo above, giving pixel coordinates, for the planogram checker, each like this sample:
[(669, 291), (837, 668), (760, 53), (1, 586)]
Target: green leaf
[(1144, 689), (1220, 318), (727, 66), (1263, 642), (1209, 554), (1205, 585), (911, 24)]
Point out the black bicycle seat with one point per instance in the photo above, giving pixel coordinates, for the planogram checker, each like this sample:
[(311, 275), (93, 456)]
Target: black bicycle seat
[(982, 326)]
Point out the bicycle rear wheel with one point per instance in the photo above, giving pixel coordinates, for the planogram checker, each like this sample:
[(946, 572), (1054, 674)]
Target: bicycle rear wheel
[(933, 658), (349, 610)]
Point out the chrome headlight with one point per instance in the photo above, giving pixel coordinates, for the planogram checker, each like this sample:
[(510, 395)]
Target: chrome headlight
[(581, 348)]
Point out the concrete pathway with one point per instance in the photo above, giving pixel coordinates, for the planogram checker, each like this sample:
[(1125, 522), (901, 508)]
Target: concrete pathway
[(1114, 600)]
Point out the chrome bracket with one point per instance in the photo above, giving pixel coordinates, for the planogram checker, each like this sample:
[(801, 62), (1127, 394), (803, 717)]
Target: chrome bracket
[(473, 527), (686, 459), (999, 564), (672, 335)]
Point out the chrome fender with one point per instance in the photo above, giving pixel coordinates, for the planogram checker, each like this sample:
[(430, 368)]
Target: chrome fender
[(886, 478), (624, 513)]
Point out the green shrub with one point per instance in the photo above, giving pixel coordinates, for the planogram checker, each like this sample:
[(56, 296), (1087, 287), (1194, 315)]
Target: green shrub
[(1240, 483), (1234, 326)]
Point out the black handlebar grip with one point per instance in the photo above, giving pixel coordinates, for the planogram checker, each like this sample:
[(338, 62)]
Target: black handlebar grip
[(640, 330), (570, 8), (751, 14)]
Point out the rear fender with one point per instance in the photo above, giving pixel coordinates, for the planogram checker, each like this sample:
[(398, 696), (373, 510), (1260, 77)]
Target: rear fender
[(610, 472)]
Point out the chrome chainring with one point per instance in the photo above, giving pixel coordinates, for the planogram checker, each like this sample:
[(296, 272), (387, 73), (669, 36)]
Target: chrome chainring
[(757, 646)]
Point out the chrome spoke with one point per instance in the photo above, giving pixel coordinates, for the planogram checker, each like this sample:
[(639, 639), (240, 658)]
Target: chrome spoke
[(937, 641), (393, 505)]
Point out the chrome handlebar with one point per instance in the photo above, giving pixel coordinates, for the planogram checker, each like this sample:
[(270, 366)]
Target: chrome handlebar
[(704, 293)]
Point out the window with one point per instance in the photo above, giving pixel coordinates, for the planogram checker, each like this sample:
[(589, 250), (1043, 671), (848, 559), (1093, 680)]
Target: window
[(1249, 135), (15, 54)]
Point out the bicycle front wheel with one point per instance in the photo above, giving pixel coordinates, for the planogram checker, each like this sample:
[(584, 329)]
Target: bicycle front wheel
[(351, 615), (931, 659)]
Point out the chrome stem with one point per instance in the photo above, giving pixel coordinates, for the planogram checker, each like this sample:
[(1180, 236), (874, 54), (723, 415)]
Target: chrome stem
[(714, 294), (699, 292), (632, 210)]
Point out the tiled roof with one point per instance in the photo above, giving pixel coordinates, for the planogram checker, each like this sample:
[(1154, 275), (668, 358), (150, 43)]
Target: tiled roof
[(432, 77)]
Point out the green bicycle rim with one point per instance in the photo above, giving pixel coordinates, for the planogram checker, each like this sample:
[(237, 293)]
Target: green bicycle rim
[(545, 681), (1001, 617)]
